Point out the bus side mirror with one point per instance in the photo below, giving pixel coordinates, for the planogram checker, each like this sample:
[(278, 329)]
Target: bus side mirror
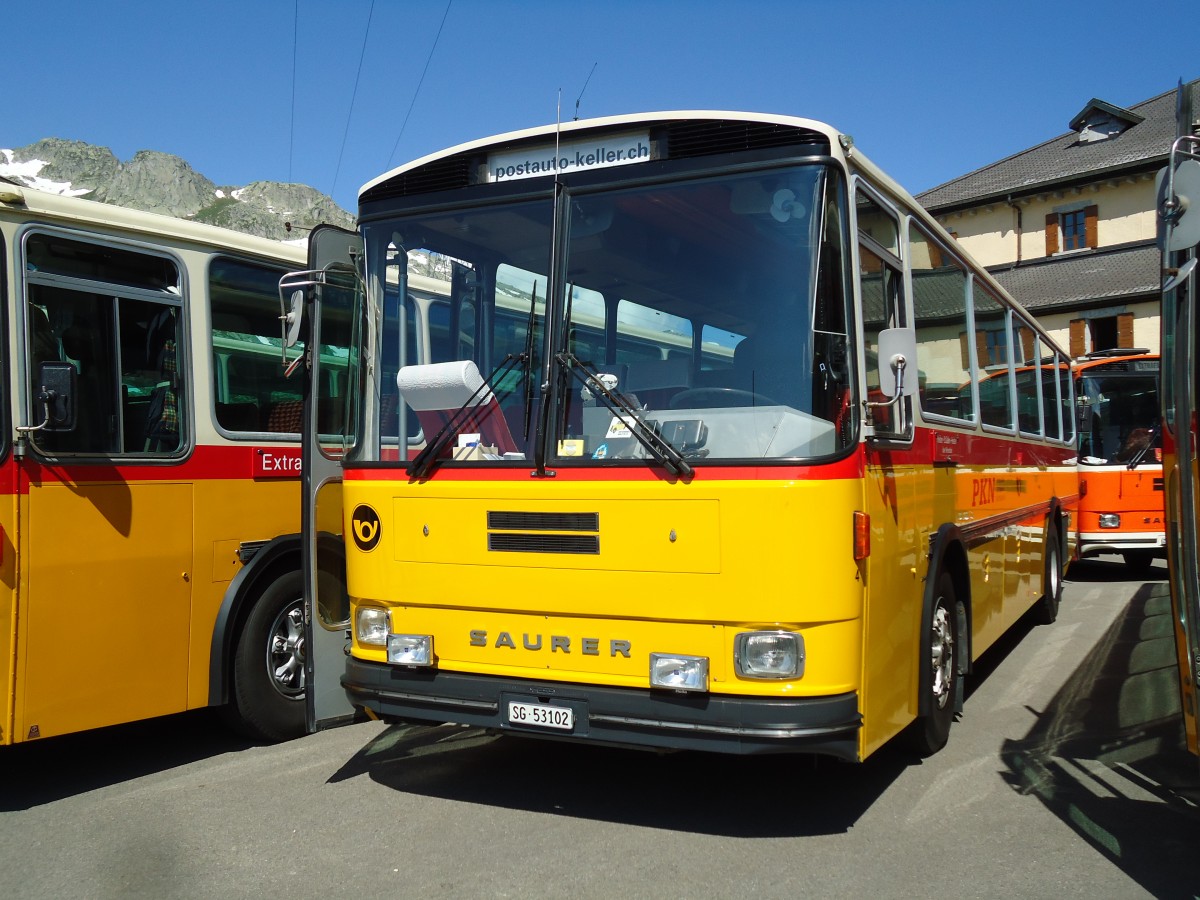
[(897, 363), (292, 316), (56, 397)]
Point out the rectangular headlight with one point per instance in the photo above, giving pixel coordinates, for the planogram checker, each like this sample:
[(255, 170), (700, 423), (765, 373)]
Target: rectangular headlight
[(679, 673), (410, 649), (1110, 520), (371, 625), (769, 654)]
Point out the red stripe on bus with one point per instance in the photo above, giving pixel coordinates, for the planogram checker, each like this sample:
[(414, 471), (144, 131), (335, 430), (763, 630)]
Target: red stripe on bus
[(209, 463)]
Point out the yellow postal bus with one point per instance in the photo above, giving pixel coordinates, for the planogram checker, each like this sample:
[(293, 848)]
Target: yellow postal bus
[(149, 473), (685, 461)]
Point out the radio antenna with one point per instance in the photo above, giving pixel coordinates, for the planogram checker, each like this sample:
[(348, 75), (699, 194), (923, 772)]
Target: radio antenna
[(584, 88), (557, 133)]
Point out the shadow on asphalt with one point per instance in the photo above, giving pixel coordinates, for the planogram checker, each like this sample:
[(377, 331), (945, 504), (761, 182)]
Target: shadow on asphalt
[(51, 769), (1107, 755), (688, 792)]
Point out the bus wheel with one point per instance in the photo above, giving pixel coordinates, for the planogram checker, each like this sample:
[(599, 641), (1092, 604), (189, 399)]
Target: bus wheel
[(929, 733), (1046, 610), (268, 665), (1138, 562)]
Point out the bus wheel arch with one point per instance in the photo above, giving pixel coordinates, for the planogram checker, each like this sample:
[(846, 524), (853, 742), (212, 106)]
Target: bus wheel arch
[(257, 669), (943, 649)]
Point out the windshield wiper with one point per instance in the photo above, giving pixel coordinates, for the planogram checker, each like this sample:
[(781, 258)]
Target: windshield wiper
[(1144, 450), (663, 451), (424, 461)]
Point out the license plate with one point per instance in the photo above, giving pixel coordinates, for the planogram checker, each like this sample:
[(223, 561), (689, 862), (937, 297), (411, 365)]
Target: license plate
[(541, 715)]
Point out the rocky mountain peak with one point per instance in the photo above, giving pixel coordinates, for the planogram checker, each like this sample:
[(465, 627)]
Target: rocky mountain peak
[(167, 184)]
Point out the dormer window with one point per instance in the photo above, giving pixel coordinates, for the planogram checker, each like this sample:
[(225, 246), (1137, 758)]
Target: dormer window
[(1099, 121)]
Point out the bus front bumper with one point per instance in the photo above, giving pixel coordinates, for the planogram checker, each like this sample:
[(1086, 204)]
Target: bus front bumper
[(617, 716)]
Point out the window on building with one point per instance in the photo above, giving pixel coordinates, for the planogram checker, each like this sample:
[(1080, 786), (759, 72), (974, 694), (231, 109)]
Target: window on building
[(1101, 333), (1074, 229)]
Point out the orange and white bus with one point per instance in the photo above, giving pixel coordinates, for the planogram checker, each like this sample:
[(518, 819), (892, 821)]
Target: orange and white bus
[(686, 465), (1120, 457), (149, 473)]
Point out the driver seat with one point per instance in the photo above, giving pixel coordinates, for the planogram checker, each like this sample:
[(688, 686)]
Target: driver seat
[(764, 364)]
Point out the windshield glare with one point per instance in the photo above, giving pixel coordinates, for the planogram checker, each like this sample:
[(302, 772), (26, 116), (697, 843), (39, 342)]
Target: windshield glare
[(711, 313), (1117, 414)]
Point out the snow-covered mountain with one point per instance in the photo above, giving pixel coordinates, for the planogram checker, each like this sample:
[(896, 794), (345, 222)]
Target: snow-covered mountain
[(162, 183)]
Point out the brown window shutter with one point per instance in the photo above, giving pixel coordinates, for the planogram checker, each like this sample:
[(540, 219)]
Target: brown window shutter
[(981, 349), (966, 351), (1125, 330), (1078, 338), (1090, 219), (935, 255), (1051, 233), (1026, 344)]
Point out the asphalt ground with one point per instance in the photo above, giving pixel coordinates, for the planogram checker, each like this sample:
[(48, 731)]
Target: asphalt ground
[(1066, 776)]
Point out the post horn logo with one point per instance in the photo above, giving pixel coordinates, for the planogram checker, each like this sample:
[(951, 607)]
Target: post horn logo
[(364, 523)]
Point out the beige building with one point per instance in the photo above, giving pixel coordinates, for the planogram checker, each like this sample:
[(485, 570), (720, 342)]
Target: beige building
[(1068, 226)]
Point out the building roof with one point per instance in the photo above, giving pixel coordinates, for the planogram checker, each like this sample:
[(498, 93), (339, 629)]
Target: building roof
[(1143, 145), (1126, 273)]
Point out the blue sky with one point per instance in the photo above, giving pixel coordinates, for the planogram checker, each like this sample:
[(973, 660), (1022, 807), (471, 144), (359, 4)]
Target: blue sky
[(287, 90)]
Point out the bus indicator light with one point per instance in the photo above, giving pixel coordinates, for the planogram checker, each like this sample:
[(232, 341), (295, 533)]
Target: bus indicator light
[(862, 535)]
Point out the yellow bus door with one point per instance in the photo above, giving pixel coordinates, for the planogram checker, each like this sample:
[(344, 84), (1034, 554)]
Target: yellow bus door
[(332, 289), (8, 591), (105, 618)]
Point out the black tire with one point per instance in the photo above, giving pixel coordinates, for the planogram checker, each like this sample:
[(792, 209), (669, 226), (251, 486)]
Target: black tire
[(267, 698), (1045, 611), (1138, 563), (939, 651)]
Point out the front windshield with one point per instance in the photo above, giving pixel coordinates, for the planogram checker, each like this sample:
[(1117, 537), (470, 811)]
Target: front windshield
[(707, 315), (1117, 416)]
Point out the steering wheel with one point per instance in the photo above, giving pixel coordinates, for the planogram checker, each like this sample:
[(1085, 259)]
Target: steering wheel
[(718, 397)]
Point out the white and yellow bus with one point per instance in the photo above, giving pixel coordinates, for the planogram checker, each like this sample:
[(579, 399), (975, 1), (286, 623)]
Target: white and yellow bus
[(150, 466), (689, 463)]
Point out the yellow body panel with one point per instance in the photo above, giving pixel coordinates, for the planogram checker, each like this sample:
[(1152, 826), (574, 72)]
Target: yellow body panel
[(145, 566), (744, 552)]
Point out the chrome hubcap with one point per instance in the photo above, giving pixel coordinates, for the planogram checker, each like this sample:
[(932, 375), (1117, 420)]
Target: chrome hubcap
[(285, 651), (942, 644)]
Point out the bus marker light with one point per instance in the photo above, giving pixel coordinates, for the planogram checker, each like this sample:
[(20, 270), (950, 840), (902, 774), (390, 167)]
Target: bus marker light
[(769, 654), (1110, 520), (371, 625), (410, 649), (679, 673), (862, 535)]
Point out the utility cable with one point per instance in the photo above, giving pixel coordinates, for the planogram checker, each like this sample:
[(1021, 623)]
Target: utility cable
[(353, 96), (404, 124)]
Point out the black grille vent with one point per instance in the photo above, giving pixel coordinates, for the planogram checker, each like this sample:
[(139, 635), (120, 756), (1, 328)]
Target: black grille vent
[(710, 136), (534, 521), (442, 175), (1141, 366), (544, 543), (540, 532)]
